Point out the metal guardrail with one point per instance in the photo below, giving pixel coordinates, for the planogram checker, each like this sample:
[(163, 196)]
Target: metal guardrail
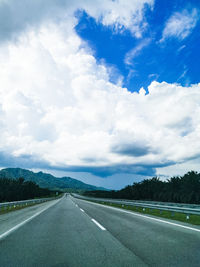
[(23, 203), (172, 207)]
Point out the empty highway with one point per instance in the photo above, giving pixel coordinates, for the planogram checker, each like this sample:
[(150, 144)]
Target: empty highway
[(74, 232)]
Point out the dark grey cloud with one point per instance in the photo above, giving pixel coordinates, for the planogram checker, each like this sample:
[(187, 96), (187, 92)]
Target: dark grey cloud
[(184, 126), (147, 169), (23, 161), (133, 149), (17, 15), (29, 161), (191, 157), (105, 171)]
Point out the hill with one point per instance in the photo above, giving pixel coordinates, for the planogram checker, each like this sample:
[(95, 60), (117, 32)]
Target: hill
[(46, 180)]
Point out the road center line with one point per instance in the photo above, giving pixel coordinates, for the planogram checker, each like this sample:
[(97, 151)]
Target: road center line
[(98, 224), (25, 221), (82, 210)]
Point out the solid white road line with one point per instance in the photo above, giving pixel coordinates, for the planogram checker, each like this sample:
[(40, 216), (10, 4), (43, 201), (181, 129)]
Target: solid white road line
[(82, 210), (98, 224), (25, 221), (147, 217)]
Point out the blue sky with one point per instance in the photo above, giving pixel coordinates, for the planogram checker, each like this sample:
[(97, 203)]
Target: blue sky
[(173, 60), (104, 91)]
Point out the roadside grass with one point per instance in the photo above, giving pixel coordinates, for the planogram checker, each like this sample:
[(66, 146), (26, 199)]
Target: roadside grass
[(10, 208), (182, 217), (7, 209)]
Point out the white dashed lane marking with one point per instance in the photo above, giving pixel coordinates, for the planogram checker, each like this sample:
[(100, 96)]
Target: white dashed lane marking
[(98, 224)]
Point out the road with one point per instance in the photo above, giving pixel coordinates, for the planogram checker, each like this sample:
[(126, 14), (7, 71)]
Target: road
[(74, 232)]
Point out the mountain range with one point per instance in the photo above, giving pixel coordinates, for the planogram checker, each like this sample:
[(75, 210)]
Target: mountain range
[(46, 180)]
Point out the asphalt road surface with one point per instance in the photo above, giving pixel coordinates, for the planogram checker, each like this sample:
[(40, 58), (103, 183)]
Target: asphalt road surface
[(74, 232)]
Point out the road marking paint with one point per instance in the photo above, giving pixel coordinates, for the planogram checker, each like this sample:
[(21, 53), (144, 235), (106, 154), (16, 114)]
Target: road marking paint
[(98, 224), (82, 210), (147, 217), (25, 221)]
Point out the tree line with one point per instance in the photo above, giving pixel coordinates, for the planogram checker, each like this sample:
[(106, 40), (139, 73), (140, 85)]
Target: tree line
[(19, 189), (179, 189)]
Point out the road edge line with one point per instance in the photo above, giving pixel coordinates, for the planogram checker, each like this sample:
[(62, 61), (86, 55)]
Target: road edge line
[(144, 216), (8, 232)]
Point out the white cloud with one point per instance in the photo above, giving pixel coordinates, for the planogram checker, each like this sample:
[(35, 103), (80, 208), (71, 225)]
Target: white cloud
[(180, 24), (58, 105), (20, 16), (181, 48), (128, 60), (179, 168), (120, 14)]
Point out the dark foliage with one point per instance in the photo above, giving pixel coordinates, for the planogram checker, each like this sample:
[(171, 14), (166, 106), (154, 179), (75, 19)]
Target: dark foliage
[(180, 189), (19, 189)]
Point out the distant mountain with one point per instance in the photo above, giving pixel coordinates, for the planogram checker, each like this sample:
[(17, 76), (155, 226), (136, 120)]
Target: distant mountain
[(46, 180)]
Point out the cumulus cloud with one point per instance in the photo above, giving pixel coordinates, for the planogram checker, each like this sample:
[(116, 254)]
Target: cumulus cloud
[(180, 24), (58, 105), (18, 16), (121, 14), (59, 110)]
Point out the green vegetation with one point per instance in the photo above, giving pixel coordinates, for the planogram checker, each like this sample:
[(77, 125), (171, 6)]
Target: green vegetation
[(179, 189), (15, 207), (192, 219), (19, 189)]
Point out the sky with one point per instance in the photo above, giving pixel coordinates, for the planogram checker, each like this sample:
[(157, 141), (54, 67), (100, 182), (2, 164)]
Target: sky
[(107, 91)]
